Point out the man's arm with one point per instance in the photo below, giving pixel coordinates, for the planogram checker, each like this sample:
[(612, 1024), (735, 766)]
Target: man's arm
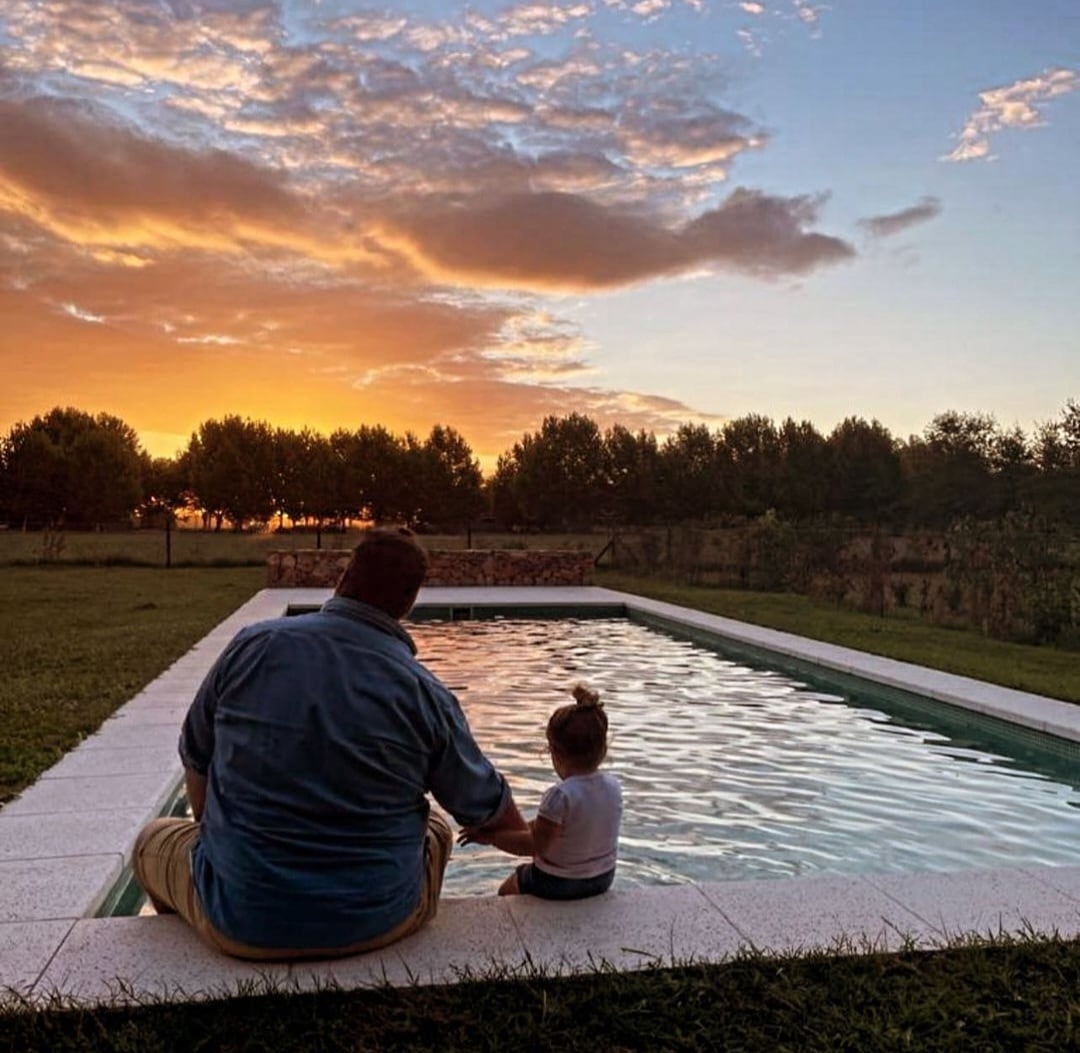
[(464, 781), (508, 831), (197, 734), (531, 841), (505, 829)]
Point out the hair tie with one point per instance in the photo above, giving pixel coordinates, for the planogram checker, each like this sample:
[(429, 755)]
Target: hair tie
[(586, 697)]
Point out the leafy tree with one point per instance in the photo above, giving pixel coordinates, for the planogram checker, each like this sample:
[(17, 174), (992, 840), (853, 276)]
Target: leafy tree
[(1055, 488), (374, 474), (377, 475), (690, 480), (865, 477), (343, 493), (166, 489), (751, 447), (233, 471), (802, 486), (1013, 469), (950, 468), (33, 477), (166, 483), (324, 480), (410, 480), (301, 464), (1069, 432), (502, 491), (105, 477), (631, 475), (288, 474), (71, 467), (451, 483), (555, 477)]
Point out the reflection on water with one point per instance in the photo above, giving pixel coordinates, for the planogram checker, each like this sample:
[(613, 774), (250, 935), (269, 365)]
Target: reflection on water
[(731, 772)]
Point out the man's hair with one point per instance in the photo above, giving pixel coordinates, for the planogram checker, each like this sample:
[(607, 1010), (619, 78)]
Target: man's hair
[(386, 571)]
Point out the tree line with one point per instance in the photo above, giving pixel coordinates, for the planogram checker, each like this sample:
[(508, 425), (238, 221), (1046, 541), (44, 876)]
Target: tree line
[(69, 468), (962, 465)]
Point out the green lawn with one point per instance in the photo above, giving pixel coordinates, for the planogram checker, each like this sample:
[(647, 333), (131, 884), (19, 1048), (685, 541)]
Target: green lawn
[(1021, 997), (227, 548), (78, 642), (137, 547), (1043, 670)]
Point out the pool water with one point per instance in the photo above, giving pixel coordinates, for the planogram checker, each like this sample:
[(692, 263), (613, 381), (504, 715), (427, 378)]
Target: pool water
[(733, 772)]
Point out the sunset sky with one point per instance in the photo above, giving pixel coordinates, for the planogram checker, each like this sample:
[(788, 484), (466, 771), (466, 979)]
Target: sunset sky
[(332, 214)]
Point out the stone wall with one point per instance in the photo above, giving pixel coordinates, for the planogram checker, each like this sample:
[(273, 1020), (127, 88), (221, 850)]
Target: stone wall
[(320, 568)]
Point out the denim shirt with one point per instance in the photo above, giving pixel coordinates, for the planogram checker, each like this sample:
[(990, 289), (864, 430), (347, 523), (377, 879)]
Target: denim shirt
[(320, 736)]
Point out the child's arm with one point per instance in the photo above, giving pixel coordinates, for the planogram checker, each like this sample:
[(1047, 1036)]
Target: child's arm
[(515, 842), (529, 842), (544, 831)]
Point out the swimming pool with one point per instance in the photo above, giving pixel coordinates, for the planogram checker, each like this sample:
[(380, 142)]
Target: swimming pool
[(734, 771)]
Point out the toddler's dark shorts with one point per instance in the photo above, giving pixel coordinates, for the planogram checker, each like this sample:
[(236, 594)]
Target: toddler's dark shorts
[(533, 881)]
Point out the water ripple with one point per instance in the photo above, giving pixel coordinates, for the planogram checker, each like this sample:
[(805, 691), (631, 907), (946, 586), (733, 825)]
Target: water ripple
[(732, 772)]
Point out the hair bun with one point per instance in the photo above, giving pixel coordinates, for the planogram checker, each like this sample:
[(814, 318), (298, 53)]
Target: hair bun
[(586, 697)]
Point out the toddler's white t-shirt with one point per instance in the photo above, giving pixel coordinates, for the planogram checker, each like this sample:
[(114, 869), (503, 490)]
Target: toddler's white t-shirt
[(588, 810)]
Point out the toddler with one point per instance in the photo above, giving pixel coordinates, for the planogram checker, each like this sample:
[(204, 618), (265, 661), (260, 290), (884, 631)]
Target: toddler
[(574, 837)]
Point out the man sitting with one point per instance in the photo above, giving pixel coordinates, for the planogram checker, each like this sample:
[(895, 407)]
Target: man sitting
[(308, 753)]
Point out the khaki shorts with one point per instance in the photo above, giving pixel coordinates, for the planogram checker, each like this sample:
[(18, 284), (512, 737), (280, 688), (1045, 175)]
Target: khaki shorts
[(161, 860)]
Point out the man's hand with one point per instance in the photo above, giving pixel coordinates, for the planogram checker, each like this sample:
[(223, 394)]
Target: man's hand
[(517, 841), (474, 835), (507, 828)]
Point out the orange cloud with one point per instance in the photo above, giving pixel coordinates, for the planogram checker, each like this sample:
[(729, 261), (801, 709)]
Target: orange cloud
[(165, 349), (94, 182), (1016, 105)]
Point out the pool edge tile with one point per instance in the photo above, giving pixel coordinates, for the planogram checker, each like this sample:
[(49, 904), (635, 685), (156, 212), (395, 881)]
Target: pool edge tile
[(837, 913), (105, 959), (626, 928), (59, 836), (30, 947), (983, 904), (469, 937), (32, 889)]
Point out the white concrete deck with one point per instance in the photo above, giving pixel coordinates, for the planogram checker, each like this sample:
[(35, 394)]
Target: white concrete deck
[(65, 841)]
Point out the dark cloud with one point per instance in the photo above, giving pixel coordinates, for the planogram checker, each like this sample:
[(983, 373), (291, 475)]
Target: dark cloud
[(894, 222), (74, 160), (563, 241), (765, 235)]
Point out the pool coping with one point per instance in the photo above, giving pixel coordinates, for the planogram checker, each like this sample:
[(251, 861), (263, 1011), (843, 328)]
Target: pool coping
[(56, 869)]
